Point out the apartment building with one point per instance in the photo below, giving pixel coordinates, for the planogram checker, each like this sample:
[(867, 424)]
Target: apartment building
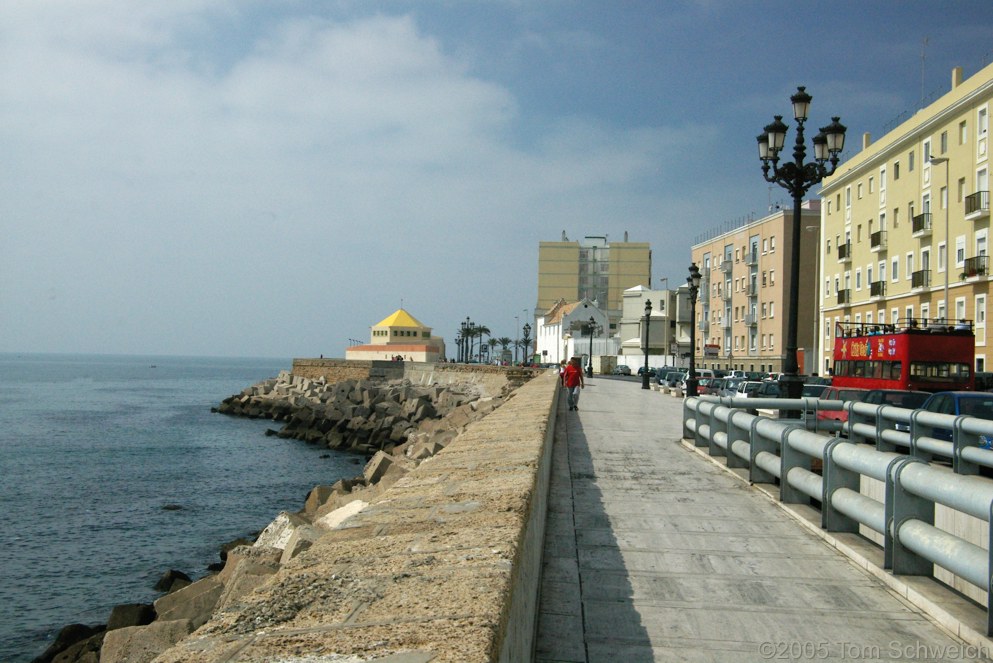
[(741, 315), (594, 269), (906, 221)]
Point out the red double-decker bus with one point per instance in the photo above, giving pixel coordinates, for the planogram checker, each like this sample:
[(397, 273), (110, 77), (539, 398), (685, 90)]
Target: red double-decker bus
[(914, 354)]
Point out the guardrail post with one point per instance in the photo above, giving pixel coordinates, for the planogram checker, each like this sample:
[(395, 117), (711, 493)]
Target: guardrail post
[(906, 506), (716, 426), (689, 413), (917, 430), (758, 444), (836, 477), (961, 440), (736, 432), (788, 459)]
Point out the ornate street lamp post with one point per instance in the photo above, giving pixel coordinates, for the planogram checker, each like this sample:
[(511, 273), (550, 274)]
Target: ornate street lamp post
[(645, 341), (589, 367), (798, 177), (693, 281), (526, 342)]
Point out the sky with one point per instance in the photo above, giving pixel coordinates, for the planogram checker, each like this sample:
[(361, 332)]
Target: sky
[(272, 178)]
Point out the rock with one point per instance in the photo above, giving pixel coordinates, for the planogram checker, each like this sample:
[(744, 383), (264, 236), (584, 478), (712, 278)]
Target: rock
[(377, 467), (195, 603), (140, 644), (279, 531), (172, 580), (301, 539), (247, 568), (335, 518), (130, 614), (86, 651), (317, 496), (67, 637)]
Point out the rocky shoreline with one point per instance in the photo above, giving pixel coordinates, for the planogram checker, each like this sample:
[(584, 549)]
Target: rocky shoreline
[(396, 423)]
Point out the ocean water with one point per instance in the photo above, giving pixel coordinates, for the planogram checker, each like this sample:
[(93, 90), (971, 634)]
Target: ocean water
[(92, 448)]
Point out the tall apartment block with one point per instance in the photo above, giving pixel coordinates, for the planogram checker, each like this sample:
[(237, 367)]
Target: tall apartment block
[(594, 268), (906, 221), (741, 317)]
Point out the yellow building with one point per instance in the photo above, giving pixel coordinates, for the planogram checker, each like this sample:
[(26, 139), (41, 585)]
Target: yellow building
[(741, 317), (906, 221), (594, 269), (400, 335)]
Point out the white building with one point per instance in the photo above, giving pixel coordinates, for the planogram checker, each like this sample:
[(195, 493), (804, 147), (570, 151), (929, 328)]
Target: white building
[(663, 343), (564, 332)]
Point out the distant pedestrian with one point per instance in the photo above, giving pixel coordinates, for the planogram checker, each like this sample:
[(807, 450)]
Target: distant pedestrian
[(572, 378)]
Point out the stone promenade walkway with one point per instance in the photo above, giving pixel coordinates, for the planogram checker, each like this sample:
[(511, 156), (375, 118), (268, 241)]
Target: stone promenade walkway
[(653, 553)]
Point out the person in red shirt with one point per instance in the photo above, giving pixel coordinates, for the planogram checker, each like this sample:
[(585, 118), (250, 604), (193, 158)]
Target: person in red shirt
[(572, 378)]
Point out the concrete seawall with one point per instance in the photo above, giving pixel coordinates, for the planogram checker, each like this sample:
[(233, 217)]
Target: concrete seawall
[(443, 566)]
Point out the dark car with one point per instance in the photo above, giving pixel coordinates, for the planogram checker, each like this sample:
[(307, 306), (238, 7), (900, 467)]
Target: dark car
[(813, 390), (910, 400), (651, 371), (970, 403)]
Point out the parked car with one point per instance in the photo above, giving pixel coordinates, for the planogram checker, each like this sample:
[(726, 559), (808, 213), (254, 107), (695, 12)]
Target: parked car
[(767, 389), (747, 388), (971, 403), (673, 379), (622, 369), (840, 394), (705, 386), (651, 371), (910, 400), (730, 387), (813, 390)]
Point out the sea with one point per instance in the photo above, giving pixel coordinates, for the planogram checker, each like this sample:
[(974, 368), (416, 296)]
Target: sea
[(114, 470)]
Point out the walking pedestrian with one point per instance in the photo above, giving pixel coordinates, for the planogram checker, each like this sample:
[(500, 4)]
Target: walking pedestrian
[(572, 378)]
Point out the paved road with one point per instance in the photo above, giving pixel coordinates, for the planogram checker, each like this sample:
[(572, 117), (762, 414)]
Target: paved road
[(653, 553)]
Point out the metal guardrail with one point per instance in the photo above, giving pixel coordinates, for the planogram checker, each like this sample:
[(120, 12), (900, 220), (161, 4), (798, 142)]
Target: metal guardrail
[(903, 448)]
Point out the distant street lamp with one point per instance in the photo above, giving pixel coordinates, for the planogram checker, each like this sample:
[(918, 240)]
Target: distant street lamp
[(645, 340), (589, 367), (693, 281), (526, 342), (797, 177)]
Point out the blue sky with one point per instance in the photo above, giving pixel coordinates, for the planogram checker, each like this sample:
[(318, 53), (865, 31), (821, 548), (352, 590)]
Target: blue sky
[(271, 178)]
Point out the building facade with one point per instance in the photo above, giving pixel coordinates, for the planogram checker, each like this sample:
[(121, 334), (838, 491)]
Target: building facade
[(594, 269), (741, 315), (564, 332), (400, 336), (663, 340), (906, 222)]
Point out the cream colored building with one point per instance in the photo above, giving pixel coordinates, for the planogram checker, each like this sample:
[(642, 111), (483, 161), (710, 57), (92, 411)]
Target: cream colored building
[(741, 317), (400, 335), (906, 220), (595, 269)]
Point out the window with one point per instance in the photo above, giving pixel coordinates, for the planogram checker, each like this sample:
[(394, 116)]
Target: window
[(982, 122), (963, 134), (926, 151), (910, 265), (765, 246), (858, 278), (882, 179), (763, 310), (770, 342), (910, 161), (772, 277), (896, 170), (895, 271), (980, 311), (772, 309), (871, 185), (941, 256), (943, 142), (896, 217), (960, 251), (772, 243), (848, 197), (960, 190), (859, 191)]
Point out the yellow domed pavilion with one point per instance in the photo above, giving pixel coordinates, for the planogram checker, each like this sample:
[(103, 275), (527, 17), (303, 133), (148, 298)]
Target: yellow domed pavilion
[(400, 335)]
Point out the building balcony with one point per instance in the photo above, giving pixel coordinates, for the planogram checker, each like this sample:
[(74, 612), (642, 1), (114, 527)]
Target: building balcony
[(877, 289), (704, 326), (921, 225), (845, 296), (845, 252), (920, 279), (975, 267), (977, 206), (877, 241), (752, 258), (751, 319), (752, 290), (727, 266), (725, 323), (726, 294)]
